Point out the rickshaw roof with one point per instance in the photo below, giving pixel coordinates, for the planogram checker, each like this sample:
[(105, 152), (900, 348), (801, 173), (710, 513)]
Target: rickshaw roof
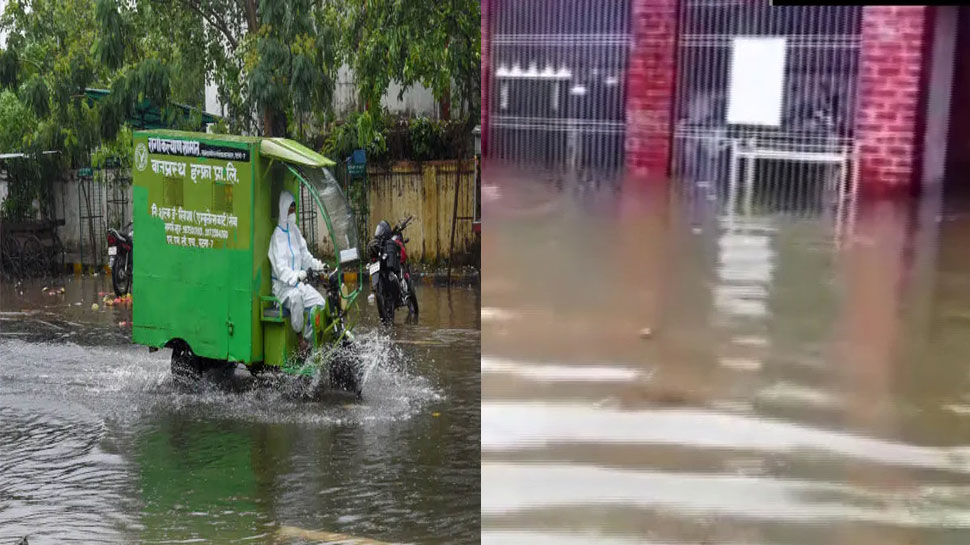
[(292, 152), (278, 148)]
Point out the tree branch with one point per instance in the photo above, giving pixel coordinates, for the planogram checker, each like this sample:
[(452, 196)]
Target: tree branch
[(219, 24), (252, 15)]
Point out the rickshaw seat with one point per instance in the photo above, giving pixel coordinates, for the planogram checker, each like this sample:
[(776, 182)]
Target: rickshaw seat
[(275, 310)]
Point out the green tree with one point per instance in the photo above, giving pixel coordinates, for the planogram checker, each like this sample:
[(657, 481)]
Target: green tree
[(55, 50), (275, 61), (16, 121), (435, 43), (271, 61)]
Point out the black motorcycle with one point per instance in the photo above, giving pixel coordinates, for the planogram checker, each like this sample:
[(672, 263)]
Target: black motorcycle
[(119, 254), (390, 274)]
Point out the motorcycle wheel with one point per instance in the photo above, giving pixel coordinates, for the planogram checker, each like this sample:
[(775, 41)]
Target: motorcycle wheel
[(412, 302), (121, 276), (379, 299), (129, 268), (385, 301)]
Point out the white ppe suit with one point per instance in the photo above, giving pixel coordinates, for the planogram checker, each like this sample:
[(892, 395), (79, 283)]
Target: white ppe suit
[(289, 257)]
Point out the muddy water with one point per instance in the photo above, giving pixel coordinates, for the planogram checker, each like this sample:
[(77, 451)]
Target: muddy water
[(98, 445), (651, 374)]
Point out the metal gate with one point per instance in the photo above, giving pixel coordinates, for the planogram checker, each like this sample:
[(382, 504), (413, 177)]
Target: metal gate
[(91, 224), (116, 180), (784, 142), (558, 85)]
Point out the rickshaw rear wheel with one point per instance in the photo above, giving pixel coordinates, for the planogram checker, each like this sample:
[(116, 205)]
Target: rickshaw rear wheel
[(258, 368), (185, 364)]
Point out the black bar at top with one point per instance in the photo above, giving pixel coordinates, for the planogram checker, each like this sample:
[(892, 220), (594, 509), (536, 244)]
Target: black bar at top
[(781, 3)]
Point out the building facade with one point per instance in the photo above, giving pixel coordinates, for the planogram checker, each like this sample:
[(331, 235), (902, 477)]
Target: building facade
[(674, 88)]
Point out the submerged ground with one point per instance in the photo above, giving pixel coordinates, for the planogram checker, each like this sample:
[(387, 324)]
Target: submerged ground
[(653, 372), (97, 444)]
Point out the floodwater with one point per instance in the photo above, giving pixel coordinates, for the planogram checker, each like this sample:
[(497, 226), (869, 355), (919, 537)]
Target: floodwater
[(652, 373), (97, 444)]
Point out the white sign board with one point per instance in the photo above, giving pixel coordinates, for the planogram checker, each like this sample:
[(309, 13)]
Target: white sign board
[(349, 255), (757, 81)]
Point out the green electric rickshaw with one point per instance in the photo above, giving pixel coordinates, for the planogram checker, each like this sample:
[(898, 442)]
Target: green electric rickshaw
[(204, 207)]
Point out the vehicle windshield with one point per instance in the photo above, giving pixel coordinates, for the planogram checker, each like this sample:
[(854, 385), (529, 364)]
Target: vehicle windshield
[(335, 205)]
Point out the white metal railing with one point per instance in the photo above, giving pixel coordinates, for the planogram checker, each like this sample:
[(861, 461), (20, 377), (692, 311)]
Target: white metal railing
[(558, 84), (804, 151)]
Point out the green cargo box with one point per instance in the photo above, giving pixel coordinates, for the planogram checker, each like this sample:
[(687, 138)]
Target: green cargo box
[(204, 209)]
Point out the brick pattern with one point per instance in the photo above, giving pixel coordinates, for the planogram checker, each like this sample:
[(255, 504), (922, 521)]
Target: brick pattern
[(650, 87), (891, 71), (486, 70)]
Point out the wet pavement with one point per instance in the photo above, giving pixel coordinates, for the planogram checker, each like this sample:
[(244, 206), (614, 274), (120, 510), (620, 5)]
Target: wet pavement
[(97, 444), (654, 374)]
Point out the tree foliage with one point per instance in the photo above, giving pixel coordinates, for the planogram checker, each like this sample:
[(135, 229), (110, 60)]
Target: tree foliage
[(274, 62), (56, 49), (397, 138), (23, 174), (434, 43)]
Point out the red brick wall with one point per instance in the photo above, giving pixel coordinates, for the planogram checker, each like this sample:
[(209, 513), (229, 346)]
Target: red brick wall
[(486, 70), (650, 87), (888, 120)]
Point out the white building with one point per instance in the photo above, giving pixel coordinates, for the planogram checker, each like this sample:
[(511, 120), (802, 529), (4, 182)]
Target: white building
[(416, 100)]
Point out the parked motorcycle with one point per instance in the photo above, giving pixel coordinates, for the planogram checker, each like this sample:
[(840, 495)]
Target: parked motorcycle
[(390, 274), (119, 256)]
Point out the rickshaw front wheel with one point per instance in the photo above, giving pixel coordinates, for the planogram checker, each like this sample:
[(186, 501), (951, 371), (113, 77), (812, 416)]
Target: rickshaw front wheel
[(345, 372)]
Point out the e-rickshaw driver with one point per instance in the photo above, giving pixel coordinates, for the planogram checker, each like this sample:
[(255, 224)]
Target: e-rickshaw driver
[(290, 259)]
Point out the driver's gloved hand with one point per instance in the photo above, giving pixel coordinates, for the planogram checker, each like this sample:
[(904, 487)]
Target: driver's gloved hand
[(301, 276)]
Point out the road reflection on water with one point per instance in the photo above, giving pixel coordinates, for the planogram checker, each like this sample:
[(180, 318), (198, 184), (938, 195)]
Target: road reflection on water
[(652, 373)]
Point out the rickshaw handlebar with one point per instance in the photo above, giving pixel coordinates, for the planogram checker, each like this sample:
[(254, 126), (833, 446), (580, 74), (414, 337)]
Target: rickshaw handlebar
[(319, 274)]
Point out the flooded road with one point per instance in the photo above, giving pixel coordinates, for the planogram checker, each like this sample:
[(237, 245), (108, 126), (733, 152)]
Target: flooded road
[(652, 373), (97, 444)]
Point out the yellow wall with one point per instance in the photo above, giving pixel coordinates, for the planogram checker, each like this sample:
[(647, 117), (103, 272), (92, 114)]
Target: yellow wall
[(427, 192)]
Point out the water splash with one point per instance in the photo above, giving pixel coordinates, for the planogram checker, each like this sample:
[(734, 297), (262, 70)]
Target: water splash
[(127, 382), (391, 386)]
